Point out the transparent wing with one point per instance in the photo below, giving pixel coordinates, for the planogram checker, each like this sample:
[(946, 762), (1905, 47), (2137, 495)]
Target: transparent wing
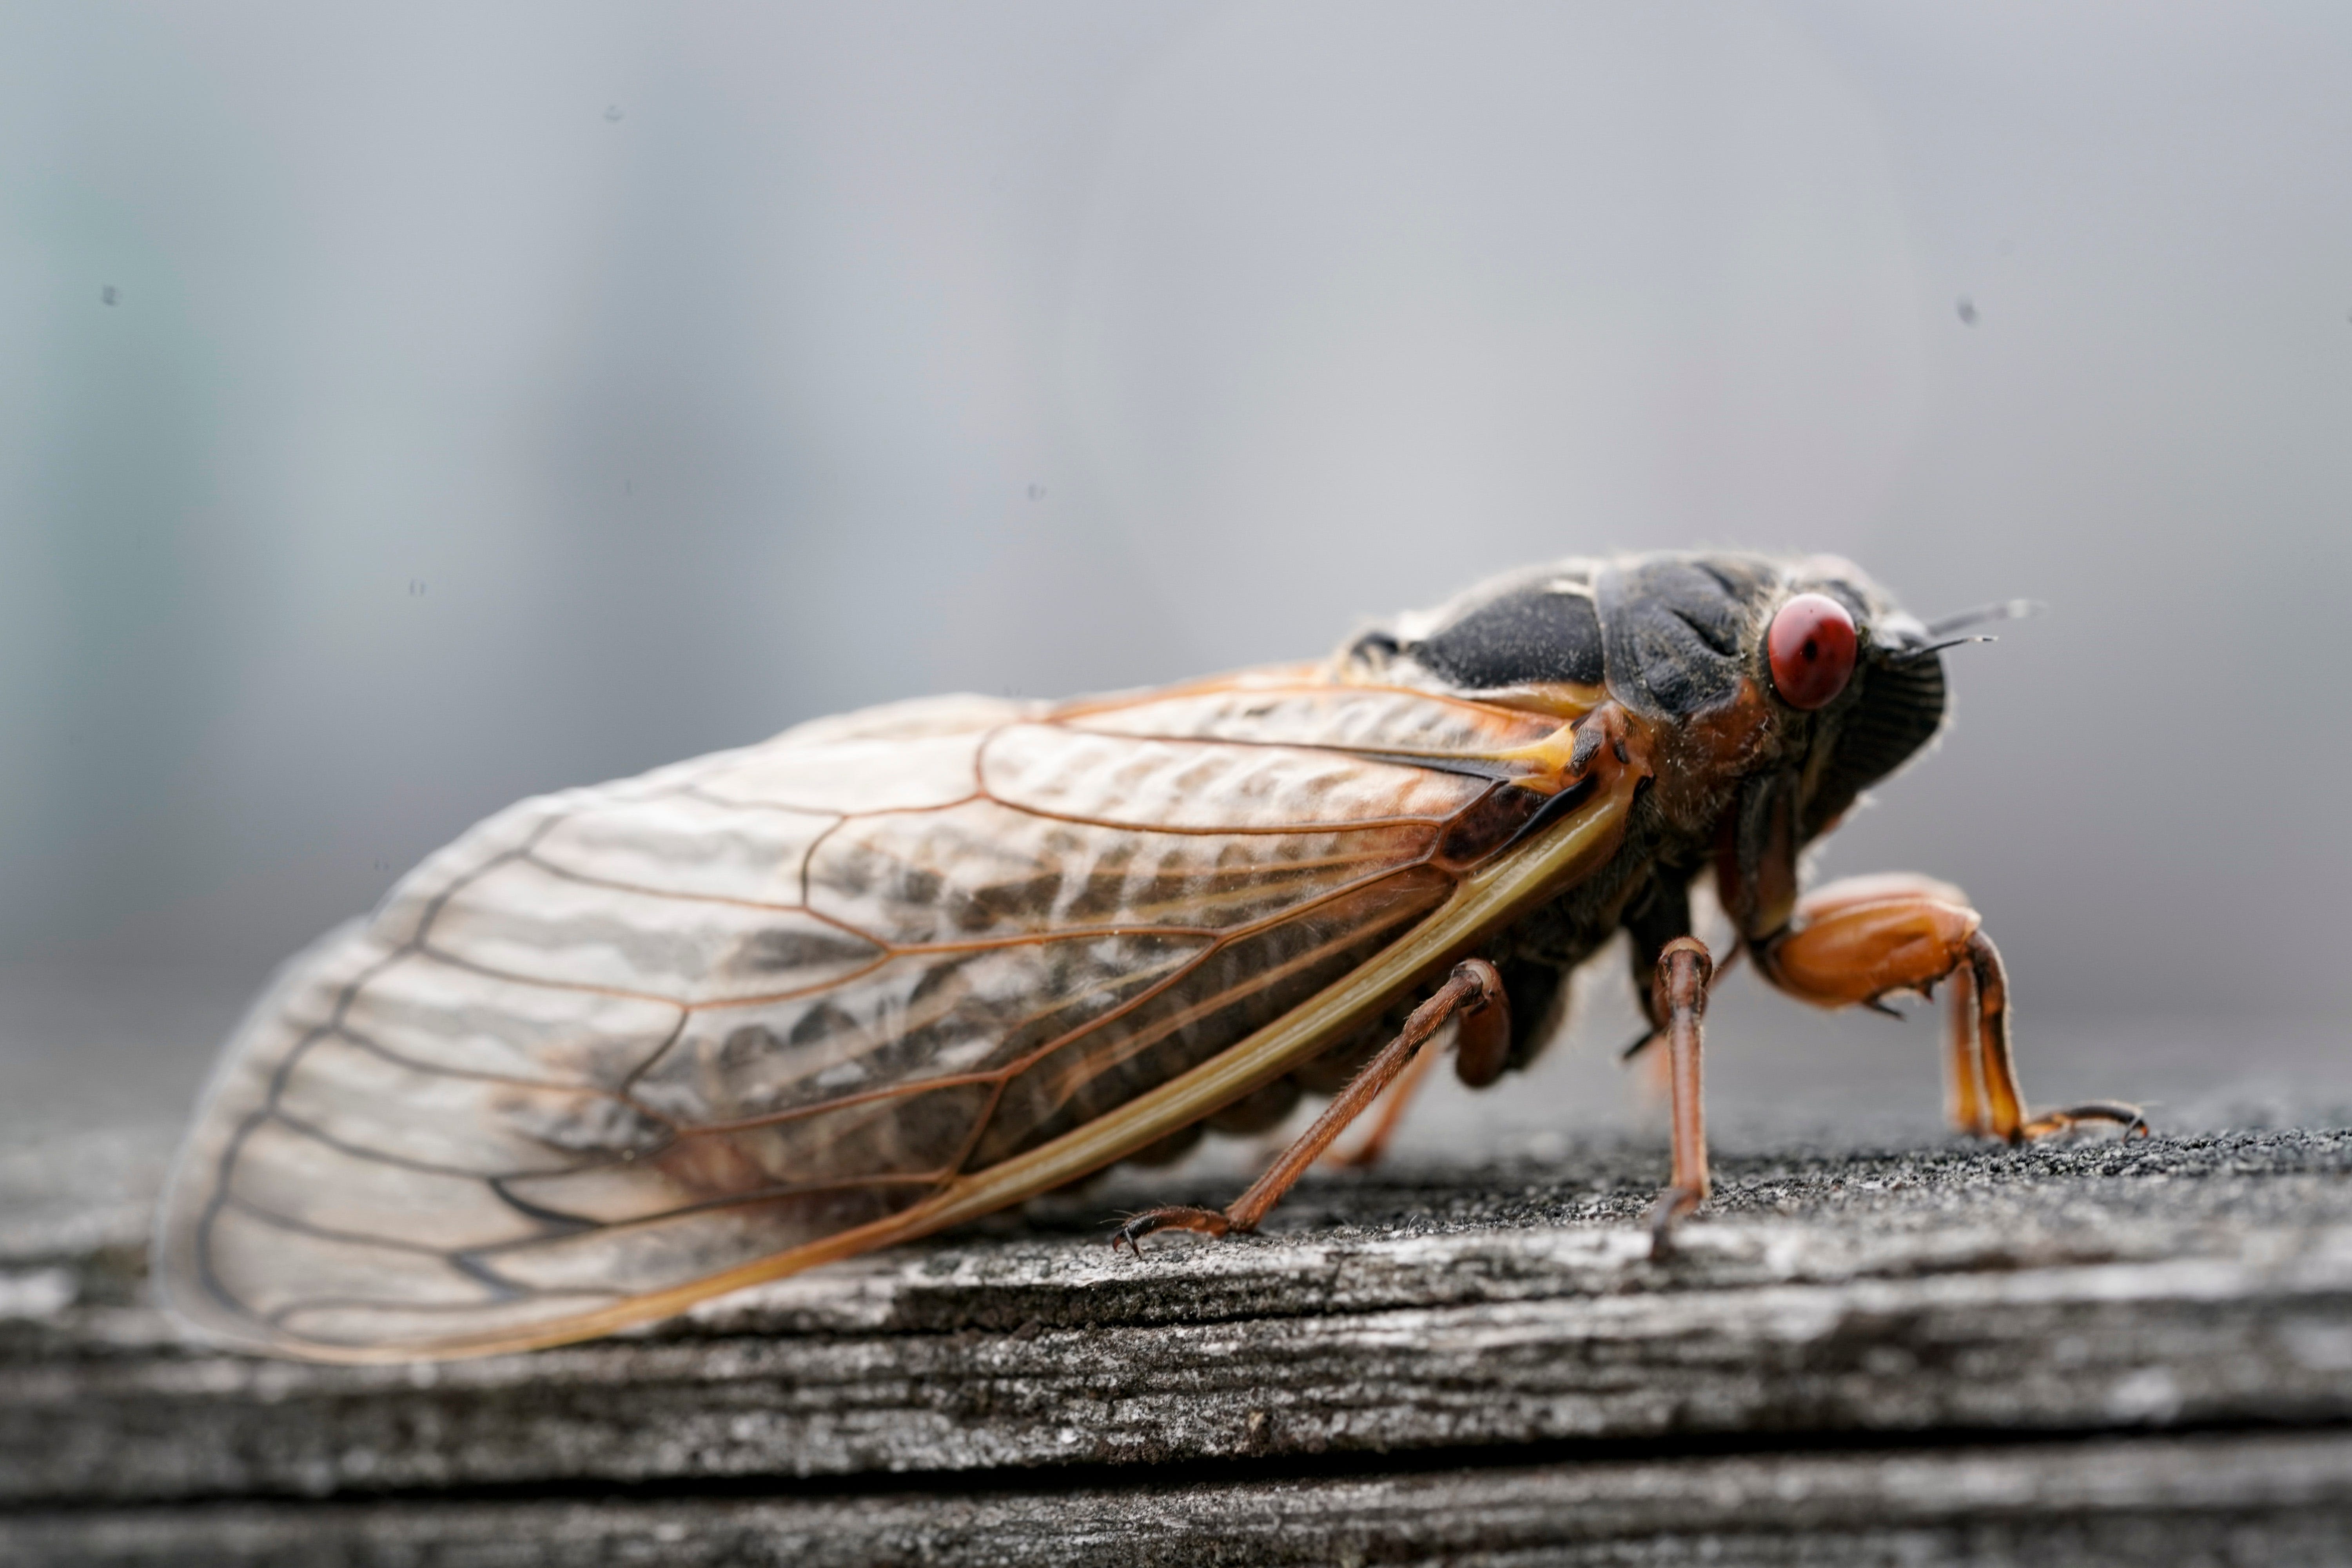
[(618, 1040)]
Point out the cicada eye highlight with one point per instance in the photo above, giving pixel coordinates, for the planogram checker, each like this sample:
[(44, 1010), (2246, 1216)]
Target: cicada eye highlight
[(1812, 646)]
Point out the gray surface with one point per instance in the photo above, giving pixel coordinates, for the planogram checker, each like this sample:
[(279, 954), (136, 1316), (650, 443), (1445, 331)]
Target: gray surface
[(2268, 1500), (1935, 1354), (2174, 1281)]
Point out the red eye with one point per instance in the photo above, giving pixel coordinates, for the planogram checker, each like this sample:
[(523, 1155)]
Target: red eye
[(1811, 645)]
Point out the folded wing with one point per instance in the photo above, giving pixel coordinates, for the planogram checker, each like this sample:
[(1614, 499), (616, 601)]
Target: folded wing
[(620, 1039)]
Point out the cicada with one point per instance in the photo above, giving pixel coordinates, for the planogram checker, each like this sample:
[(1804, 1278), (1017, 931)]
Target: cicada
[(620, 1049)]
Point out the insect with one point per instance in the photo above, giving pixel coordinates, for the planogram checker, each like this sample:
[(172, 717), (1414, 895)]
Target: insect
[(623, 1047)]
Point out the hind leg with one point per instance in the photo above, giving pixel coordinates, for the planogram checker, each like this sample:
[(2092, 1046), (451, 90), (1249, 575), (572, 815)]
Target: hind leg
[(1472, 990)]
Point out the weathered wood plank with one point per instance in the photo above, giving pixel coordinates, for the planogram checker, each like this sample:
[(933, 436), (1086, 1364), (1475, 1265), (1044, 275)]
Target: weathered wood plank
[(2238, 1499), (2176, 1281), (2059, 1348)]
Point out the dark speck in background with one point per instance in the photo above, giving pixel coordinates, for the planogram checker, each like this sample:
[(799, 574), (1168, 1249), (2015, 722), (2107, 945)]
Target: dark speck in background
[(1967, 312), (108, 295), (628, 487), (1037, 492), (613, 113), (416, 587)]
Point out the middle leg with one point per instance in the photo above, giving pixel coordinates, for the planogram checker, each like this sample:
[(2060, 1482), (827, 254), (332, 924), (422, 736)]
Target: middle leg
[(1678, 992)]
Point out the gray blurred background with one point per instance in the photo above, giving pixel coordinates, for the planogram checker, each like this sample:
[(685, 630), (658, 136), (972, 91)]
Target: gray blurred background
[(403, 409)]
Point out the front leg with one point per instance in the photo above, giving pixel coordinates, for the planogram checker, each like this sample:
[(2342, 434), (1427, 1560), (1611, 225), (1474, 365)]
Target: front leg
[(1853, 942)]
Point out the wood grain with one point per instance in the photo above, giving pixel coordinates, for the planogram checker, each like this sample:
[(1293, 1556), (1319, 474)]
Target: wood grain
[(1424, 1364)]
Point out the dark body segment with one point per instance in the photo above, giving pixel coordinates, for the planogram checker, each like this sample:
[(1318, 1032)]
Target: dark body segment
[(1545, 631), (1678, 630)]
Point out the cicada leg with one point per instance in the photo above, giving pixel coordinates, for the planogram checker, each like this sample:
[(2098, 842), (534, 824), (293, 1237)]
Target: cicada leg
[(1398, 1102), (1473, 990), (1853, 942), (1964, 1087), (1678, 990), (1482, 1047)]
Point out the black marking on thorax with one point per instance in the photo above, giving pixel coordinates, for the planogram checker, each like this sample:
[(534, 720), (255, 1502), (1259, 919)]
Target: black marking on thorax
[(1532, 635)]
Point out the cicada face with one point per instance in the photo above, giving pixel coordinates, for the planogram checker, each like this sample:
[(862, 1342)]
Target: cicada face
[(1774, 691)]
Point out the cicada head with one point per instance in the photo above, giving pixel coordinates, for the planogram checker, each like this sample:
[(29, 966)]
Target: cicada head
[(1890, 706), (1774, 691)]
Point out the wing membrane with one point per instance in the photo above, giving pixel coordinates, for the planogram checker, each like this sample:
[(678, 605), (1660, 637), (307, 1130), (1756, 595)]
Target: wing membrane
[(620, 1041)]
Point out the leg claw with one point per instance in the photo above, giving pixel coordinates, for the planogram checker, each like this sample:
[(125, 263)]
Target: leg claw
[(2128, 1117), (1209, 1221), (1672, 1204)]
